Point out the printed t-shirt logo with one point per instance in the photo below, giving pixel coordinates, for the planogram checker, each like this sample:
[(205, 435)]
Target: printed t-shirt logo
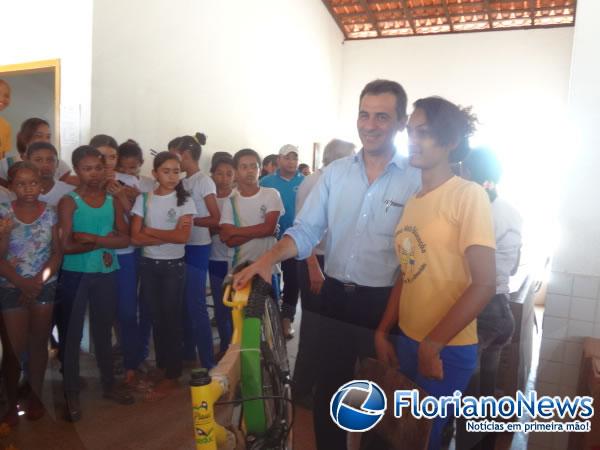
[(172, 216), (410, 252)]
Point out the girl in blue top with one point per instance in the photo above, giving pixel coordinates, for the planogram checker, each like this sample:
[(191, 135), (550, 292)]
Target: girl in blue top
[(92, 226), (30, 257)]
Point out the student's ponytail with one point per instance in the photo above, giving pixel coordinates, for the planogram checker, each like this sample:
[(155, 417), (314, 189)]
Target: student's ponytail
[(181, 194)]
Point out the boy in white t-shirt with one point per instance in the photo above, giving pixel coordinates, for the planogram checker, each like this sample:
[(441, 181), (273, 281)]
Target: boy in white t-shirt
[(249, 219)]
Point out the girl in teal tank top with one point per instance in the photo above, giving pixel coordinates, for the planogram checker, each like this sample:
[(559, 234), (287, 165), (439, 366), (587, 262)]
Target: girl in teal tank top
[(92, 226), (94, 221)]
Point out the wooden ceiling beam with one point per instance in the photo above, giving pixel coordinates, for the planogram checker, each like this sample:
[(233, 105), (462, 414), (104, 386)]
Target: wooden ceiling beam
[(370, 15), (408, 16), (448, 18), (488, 11)]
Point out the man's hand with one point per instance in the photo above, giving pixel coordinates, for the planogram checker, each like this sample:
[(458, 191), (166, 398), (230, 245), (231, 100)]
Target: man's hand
[(226, 233), (430, 363), (316, 277), (384, 349), (262, 267)]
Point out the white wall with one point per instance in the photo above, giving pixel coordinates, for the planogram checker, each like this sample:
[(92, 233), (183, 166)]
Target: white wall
[(34, 30), (247, 74), (573, 302), (32, 95)]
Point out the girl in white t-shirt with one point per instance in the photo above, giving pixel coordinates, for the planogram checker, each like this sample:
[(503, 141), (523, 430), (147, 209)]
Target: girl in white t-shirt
[(197, 331), (219, 263), (161, 222)]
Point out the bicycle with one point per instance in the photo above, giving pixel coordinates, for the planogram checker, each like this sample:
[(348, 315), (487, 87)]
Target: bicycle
[(254, 376)]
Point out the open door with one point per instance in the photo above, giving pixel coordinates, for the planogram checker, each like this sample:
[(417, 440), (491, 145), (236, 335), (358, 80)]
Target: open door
[(35, 92)]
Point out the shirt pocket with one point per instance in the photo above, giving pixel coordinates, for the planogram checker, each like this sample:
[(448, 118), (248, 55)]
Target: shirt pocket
[(387, 214)]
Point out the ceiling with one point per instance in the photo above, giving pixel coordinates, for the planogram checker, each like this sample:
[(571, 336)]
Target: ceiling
[(367, 19)]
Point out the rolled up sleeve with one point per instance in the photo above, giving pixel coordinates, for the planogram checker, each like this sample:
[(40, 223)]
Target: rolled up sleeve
[(311, 223)]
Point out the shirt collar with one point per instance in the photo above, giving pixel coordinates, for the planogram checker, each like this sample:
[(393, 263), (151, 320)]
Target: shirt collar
[(298, 174), (400, 161)]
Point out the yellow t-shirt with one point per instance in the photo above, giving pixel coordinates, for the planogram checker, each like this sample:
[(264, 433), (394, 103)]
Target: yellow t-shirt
[(5, 131), (431, 239)]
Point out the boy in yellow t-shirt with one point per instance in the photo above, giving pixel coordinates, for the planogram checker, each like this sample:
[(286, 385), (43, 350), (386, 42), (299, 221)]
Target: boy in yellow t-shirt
[(5, 129), (445, 247)]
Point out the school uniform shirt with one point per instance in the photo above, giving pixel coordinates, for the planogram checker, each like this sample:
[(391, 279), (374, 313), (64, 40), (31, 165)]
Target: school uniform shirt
[(13, 157), (252, 211), (5, 132), (58, 191), (146, 184), (218, 250), (507, 230), (430, 241), (6, 195), (161, 212), (199, 186), (287, 190)]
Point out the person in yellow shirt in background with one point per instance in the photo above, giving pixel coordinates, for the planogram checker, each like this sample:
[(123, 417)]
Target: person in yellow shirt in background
[(445, 245), (5, 129)]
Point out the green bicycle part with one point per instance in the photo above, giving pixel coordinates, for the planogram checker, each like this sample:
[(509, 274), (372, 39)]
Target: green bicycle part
[(252, 383)]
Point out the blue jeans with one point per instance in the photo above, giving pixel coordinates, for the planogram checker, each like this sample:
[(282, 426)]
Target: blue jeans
[(197, 332), (217, 271), (459, 362), (77, 290), (135, 332)]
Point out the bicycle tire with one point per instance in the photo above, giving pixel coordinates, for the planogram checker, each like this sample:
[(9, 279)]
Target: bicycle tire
[(264, 362)]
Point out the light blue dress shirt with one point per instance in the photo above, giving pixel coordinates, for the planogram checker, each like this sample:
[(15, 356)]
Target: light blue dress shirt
[(360, 219)]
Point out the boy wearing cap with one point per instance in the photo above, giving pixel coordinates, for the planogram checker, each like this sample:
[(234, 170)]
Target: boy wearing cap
[(286, 180)]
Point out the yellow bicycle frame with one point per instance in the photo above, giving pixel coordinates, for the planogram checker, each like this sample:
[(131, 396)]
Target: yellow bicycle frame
[(208, 434)]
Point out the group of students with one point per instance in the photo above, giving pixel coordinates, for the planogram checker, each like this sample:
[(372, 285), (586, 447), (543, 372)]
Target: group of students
[(136, 251), (398, 256)]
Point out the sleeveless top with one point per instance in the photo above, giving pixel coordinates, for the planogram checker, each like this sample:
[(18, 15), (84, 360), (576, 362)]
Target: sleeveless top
[(99, 221)]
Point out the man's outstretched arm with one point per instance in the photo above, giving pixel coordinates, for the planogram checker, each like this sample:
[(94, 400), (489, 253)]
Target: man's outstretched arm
[(284, 249)]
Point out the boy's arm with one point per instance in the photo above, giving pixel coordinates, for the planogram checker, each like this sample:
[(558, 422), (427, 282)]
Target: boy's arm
[(231, 234)]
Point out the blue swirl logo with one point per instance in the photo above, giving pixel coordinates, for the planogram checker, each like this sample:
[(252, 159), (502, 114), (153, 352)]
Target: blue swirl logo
[(358, 405)]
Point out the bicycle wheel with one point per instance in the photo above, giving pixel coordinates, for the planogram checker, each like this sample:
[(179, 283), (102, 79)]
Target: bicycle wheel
[(265, 370)]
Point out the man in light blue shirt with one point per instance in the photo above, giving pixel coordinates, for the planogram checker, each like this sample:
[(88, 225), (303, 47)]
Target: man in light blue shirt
[(286, 179), (359, 201)]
